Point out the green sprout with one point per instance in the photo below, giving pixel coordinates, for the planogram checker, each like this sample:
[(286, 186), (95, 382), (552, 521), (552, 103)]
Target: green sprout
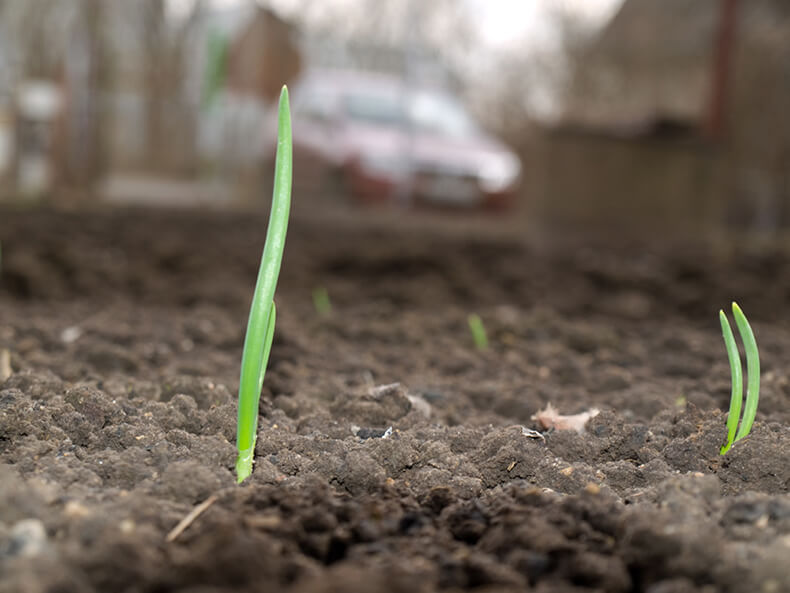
[(753, 376), (321, 302), (478, 331), (260, 327)]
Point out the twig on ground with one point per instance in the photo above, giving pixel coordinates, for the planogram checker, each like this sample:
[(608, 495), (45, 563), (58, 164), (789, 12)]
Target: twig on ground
[(190, 518)]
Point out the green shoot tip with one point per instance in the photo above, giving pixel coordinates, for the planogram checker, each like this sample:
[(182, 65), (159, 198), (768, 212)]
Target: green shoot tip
[(321, 301), (478, 331)]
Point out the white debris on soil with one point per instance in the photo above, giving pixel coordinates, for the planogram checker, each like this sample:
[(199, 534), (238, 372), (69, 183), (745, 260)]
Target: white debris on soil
[(532, 434), (5, 364), (419, 404), (387, 433), (549, 418), (71, 334), (382, 390)]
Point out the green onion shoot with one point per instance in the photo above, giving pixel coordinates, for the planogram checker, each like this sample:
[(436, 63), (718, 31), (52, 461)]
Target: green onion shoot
[(478, 331), (321, 302), (260, 326), (734, 433)]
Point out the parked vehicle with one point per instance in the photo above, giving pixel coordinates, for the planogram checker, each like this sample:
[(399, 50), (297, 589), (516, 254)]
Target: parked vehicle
[(380, 141)]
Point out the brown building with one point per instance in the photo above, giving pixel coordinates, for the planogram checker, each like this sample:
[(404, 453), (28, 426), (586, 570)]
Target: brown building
[(263, 56), (633, 145)]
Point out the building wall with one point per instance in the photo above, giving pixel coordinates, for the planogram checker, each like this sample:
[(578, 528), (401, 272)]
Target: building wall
[(596, 181), (652, 63)]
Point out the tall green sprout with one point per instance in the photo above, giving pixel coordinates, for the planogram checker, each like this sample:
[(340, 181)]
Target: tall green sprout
[(260, 327), (752, 372)]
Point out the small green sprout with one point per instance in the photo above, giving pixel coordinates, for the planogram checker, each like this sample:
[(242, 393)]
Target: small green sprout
[(321, 302), (260, 327), (753, 376), (478, 331)]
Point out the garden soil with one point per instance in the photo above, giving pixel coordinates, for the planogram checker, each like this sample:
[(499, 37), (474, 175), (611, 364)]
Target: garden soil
[(392, 455)]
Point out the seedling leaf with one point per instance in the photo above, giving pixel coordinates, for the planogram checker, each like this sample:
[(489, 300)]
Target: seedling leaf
[(752, 371), (478, 331), (734, 432), (736, 396), (321, 302), (260, 326)]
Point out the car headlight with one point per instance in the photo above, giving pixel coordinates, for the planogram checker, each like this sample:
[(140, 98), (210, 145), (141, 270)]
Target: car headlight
[(498, 172)]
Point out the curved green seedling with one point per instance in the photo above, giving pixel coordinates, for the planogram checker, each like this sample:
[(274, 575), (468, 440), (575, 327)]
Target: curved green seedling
[(752, 372), (736, 397), (260, 326)]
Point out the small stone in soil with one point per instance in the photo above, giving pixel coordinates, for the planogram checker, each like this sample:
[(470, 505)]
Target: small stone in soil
[(28, 538)]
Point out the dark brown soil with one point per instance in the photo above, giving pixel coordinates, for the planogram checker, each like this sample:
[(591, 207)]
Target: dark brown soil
[(125, 328)]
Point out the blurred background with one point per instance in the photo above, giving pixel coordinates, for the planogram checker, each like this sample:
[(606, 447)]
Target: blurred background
[(583, 113)]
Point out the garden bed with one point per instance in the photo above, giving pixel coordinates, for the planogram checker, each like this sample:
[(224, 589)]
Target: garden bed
[(124, 330)]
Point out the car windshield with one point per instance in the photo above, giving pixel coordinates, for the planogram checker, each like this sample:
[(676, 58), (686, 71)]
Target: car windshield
[(440, 114), (313, 105), (424, 111), (376, 108)]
